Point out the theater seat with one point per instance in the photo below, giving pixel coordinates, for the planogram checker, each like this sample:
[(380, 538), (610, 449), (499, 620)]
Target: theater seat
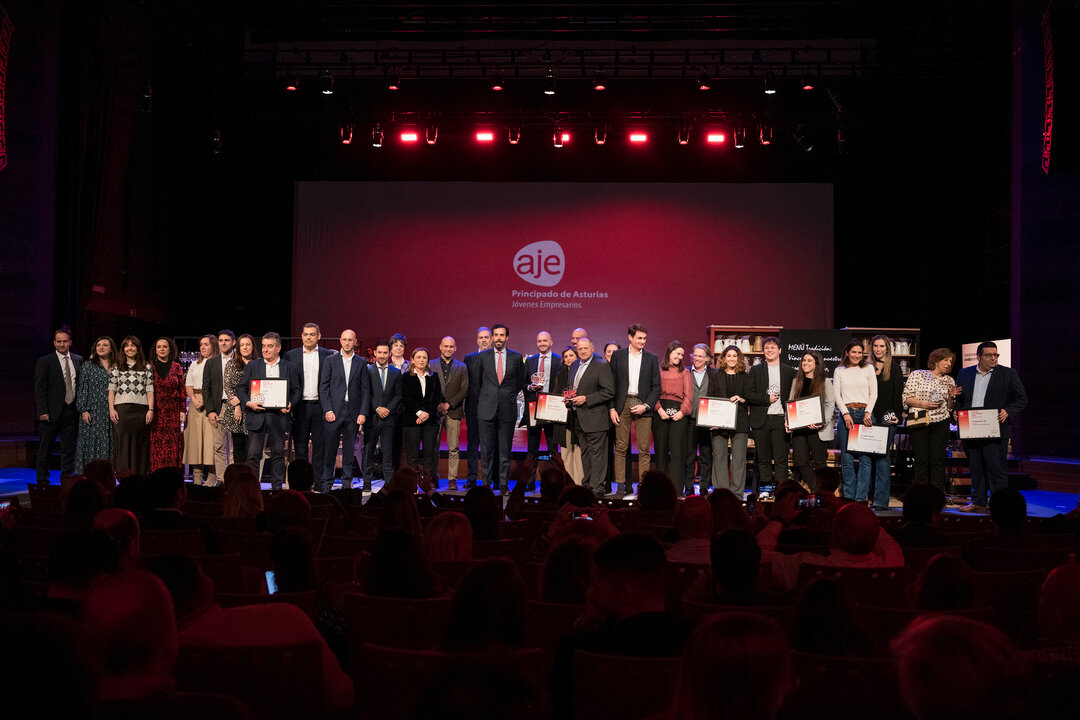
[(623, 687)]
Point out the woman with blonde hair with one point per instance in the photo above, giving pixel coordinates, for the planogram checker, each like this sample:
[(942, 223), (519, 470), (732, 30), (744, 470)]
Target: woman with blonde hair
[(199, 433), (243, 494), (448, 538)]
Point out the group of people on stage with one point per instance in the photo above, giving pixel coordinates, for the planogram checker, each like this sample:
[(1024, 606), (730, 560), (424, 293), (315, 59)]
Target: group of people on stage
[(122, 406)]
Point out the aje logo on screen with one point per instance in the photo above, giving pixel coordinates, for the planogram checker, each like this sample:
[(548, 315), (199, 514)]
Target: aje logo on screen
[(540, 263)]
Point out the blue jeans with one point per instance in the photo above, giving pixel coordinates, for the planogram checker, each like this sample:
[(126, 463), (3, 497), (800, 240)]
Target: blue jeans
[(855, 487), (883, 471)]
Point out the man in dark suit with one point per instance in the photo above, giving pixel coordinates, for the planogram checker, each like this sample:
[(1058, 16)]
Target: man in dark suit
[(454, 381), (341, 396), (308, 420), (594, 387), (502, 377), (54, 399), (269, 426), (770, 386), (215, 398), (539, 370), (989, 385), (472, 400), (379, 413), (636, 373)]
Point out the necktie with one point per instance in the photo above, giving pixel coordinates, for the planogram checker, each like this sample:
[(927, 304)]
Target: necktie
[(580, 372), (69, 385), (382, 377), (499, 367), (544, 380)]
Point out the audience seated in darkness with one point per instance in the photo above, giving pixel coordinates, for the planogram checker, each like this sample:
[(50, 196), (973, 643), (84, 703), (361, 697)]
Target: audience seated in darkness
[(656, 492), (167, 496), (448, 538), (86, 499), (101, 471), (728, 511), (300, 476), (132, 614), (566, 576), (824, 622), (736, 666), (203, 622), (576, 495), (398, 568), (857, 540), (292, 560), (399, 511), (945, 583), (1059, 615), (243, 494), (79, 561), (488, 612), (795, 531), (480, 694), (122, 528), (552, 482), (937, 654), (287, 509), (484, 512), (133, 493), (1008, 511), (693, 526), (735, 561), (923, 504)]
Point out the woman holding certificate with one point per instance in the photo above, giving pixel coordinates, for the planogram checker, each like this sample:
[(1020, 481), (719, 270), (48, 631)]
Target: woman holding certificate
[(855, 389), (564, 433), (889, 408), (930, 394), (809, 444), (420, 397), (672, 417), (733, 383), (199, 434), (131, 408)]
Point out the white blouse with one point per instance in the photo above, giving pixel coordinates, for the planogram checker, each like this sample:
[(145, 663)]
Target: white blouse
[(195, 375), (855, 385)]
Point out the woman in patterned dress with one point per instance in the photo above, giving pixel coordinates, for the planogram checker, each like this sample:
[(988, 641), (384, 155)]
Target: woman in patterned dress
[(934, 392), (234, 422), (95, 439), (199, 434), (166, 444), (131, 407)]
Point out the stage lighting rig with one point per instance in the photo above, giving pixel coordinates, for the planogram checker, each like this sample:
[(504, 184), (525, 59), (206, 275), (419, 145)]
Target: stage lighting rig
[(740, 138), (346, 133), (704, 81), (377, 136), (770, 83), (431, 134), (326, 82), (549, 82), (497, 81), (599, 82), (393, 82)]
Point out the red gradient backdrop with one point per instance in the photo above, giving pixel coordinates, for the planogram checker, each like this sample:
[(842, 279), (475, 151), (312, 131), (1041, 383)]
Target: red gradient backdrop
[(434, 258)]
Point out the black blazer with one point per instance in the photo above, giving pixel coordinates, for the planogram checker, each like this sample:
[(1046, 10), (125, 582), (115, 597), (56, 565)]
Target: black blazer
[(1005, 392), (413, 402), (499, 400), (49, 389), (717, 388), (472, 400), (333, 385), (256, 370), (648, 380), (212, 385), (375, 396), (758, 394)]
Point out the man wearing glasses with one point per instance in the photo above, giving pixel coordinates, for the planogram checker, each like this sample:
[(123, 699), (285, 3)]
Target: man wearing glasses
[(989, 385)]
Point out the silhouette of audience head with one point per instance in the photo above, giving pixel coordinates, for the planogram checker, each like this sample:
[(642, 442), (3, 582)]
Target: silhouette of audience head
[(827, 480), (656, 492), (855, 529), (945, 583), (735, 559), (166, 486), (576, 496), (448, 537), (922, 503), (399, 511), (484, 512), (122, 528), (192, 591), (292, 561), (133, 493), (398, 567), (1008, 510), (736, 666), (728, 511), (824, 622), (937, 654), (243, 495), (79, 560), (790, 487), (287, 509), (86, 499), (694, 518), (101, 472), (630, 575), (1059, 611), (552, 482), (488, 612), (405, 478), (300, 475), (567, 573)]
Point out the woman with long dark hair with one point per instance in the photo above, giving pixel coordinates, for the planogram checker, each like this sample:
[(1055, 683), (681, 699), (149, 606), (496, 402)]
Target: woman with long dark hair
[(889, 409), (95, 439), (809, 444), (672, 417), (166, 444), (131, 408), (569, 450), (199, 434), (232, 421)]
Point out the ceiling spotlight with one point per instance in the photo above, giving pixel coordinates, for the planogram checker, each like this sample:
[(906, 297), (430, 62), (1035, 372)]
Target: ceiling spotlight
[(549, 82), (740, 137), (484, 136), (765, 135), (770, 83), (799, 135), (513, 135), (292, 84), (808, 82), (560, 137), (376, 136), (600, 135), (704, 81), (684, 135), (599, 81), (639, 138), (716, 138), (409, 136), (431, 134), (346, 134), (215, 142), (393, 82), (497, 81), (326, 83)]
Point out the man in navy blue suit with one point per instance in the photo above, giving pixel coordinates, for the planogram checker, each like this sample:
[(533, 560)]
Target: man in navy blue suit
[(54, 397), (540, 369), (472, 422), (341, 396), (501, 378), (308, 421), (379, 412), (269, 425), (989, 385)]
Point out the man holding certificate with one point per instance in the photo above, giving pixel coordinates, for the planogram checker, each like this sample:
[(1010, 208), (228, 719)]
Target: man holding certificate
[(539, 371), (995, 388), (269, 387)]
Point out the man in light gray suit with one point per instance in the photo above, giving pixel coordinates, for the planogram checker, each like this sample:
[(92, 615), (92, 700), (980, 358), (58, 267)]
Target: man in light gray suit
[(454, 377), (594, 387), (341, 393)]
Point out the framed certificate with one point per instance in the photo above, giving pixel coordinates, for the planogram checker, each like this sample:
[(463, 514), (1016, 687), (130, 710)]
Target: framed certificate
[(873, 440), (805, 411), (975, 424), (271, 393), (719, 413), (551, 408)]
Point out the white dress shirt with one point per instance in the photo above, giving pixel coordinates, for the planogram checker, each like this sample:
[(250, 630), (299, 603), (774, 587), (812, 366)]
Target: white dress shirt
[(633, 367), (311, 374), (274, 371), (346, 361)]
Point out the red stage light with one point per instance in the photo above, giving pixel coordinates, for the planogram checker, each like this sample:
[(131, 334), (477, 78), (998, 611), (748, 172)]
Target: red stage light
[(409, 136), (485, 136), (639, 137), (716, 137)]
